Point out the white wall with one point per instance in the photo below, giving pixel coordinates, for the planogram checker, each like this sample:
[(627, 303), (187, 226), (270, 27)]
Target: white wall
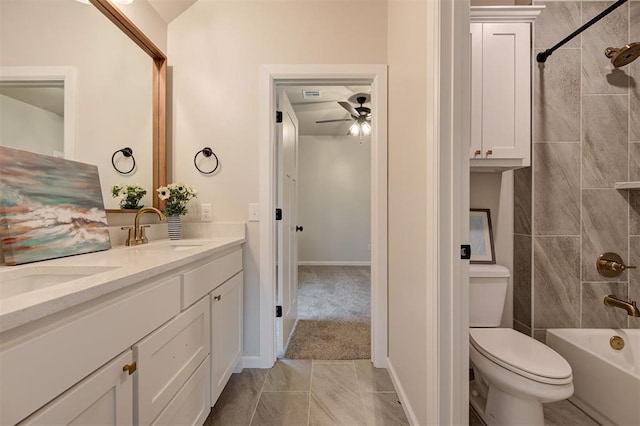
[(494, 191), (216, 49), (408, 274), (22, 124), (334, 200), (113, 79)]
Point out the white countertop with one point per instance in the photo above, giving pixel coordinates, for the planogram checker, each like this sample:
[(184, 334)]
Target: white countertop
[(130, 265)]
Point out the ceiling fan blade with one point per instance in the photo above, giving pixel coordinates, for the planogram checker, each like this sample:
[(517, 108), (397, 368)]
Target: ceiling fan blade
[(349, 108), (333, 121)]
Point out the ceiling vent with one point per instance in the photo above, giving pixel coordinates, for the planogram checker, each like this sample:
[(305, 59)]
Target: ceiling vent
[(311, 94)]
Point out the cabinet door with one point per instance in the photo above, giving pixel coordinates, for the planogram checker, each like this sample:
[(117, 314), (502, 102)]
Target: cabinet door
[(105, 397), (506, 87), (476, 90), (226, 333), (168, 357)]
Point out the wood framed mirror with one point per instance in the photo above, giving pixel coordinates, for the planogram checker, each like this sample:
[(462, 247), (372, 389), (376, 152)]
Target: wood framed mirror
[(159, 138)]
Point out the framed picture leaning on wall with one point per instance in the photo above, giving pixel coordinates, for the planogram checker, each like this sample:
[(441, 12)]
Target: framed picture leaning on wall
[(481, 236)]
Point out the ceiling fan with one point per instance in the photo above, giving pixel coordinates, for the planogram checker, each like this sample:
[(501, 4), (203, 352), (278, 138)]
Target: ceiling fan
[(361, 116)]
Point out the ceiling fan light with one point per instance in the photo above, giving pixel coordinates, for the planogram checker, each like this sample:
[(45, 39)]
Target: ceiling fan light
[(366, 128), (354, 129)]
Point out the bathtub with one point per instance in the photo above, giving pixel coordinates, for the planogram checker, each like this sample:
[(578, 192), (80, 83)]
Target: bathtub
[(606, 380)]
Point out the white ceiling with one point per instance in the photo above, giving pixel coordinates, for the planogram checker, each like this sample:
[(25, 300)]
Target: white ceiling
[(47, 96), (325, 107), (170, 9)]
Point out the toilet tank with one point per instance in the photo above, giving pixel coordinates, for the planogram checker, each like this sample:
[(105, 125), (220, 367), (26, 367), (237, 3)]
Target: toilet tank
[(487, 294)]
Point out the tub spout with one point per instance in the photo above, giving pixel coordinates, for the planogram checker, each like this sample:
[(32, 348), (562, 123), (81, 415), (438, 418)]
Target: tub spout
[(630, 307)]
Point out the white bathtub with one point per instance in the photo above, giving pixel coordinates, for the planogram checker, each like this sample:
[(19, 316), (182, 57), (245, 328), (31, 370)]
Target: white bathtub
[(606, 381)]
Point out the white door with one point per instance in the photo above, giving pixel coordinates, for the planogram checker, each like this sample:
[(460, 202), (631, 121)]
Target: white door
[(287, 200)]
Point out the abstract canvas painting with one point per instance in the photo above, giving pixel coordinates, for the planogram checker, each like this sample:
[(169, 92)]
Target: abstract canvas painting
[(49, 208)]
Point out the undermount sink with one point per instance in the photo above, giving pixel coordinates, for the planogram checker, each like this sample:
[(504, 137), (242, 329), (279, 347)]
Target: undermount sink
[(25, 280), (175, 245)]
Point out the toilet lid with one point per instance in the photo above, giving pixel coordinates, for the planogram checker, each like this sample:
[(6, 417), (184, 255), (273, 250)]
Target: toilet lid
[(521, 354)]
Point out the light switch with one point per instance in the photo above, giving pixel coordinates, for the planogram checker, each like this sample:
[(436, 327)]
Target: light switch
[(206, 213), (254, 212)]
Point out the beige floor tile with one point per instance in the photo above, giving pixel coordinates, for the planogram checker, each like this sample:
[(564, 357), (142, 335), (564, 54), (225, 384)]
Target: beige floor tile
[(289, 375), (282, 409), (238, 400), (383, 409), (335, 399), (372, 379)]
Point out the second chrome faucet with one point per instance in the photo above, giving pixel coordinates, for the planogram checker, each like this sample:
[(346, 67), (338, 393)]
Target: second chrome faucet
[(138, 236)]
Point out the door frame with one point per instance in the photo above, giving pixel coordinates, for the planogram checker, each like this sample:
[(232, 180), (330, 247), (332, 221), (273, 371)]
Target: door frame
[(270, 76)]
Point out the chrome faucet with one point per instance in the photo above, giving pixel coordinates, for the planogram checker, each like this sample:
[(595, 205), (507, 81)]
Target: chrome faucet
[(139, 236), (630, 307)]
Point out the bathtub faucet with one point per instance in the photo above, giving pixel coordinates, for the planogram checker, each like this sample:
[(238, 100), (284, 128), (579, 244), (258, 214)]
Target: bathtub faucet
[(630, 307)]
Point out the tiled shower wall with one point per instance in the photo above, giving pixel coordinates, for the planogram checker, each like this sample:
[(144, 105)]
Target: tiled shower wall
[(586, 138)]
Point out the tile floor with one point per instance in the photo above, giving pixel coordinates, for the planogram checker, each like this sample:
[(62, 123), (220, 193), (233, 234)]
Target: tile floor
[(306, 392), (561, 413)]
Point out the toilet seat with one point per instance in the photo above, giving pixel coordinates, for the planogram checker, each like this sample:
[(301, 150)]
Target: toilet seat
[(521, 355)]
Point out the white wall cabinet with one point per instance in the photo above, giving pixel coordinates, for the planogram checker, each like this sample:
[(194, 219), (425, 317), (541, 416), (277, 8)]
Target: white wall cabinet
[(501, 87), (226, 333)]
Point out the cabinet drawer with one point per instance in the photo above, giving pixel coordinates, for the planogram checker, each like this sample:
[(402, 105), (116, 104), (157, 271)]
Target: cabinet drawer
[(200, 281), (168, 357), (37, 370), (105, 397), (191, 405)]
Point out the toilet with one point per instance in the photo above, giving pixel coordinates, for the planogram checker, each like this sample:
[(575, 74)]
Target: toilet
[(513, 374)]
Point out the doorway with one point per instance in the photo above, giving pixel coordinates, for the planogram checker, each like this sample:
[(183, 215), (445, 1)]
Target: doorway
[(374, 76), (323, 165)]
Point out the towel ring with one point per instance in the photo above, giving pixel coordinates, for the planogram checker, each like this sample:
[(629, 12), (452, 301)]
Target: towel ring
[(207, 152), (127, 152)]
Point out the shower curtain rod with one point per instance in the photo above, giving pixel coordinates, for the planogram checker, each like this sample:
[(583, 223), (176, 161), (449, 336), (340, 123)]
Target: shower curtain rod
[(542, 56)]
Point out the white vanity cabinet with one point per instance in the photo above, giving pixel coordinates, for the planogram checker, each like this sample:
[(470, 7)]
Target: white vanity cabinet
[(105, 397), (166, 360), (222, 280), (226, 333), (141, 354), (501, 87)]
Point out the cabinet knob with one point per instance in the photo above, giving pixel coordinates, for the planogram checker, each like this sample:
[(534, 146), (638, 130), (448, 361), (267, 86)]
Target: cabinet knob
[(130, 368), (218, 297), (478, 152), (489, 152)]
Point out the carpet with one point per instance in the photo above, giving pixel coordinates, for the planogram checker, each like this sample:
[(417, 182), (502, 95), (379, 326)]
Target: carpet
[(334, 314)]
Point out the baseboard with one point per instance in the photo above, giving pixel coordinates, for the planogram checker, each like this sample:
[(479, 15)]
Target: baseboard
[(408, 410), (332, 263), (255, 361)]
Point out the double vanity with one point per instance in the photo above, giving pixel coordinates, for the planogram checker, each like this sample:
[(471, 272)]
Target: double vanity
[(133, 335)]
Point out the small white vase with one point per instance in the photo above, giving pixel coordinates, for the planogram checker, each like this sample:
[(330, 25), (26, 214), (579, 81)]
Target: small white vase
[(175, 227)]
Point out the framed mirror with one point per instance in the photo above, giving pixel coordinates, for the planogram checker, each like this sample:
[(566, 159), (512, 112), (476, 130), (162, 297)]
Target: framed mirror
[(119, 87)]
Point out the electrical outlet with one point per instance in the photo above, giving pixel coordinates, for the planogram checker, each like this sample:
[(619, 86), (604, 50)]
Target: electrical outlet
[(206, 213), (254, 212)]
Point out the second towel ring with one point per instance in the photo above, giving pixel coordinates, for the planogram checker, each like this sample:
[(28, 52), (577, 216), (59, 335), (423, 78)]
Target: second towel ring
[(207, 152), (127, 152)]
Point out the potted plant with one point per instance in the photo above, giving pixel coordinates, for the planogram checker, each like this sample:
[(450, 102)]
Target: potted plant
[(176, 197), (129, 194)]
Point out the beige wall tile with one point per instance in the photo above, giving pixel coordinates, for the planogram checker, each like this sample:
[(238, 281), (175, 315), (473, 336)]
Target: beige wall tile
[(522, 279), (605, 142), (522, 201), (598, 74), (594, 313), (556, 280), (557, 98), (556, 189), (604, 229)]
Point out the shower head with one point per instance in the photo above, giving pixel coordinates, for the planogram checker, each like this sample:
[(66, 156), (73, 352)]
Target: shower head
[(623, 56)]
